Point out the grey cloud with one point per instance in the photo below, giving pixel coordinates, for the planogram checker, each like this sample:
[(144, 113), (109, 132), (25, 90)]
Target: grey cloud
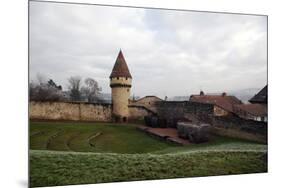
[(168, 52)]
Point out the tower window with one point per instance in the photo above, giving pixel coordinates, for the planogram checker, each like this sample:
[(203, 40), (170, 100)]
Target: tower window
[(117, 78), (126, 78)]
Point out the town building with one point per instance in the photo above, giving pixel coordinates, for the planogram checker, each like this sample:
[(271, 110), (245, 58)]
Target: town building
[(223, 103), (257, 109), (147, 101), (256, 112)]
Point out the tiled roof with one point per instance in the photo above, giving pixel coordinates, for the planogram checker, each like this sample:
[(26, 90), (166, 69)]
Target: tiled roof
[(261, 97), (254, 109), (120, 68), (225, 102)]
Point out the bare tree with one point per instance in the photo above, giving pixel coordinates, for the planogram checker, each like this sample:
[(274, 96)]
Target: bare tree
[(74, 88), (53, 84), (45, 91), (91, 90)]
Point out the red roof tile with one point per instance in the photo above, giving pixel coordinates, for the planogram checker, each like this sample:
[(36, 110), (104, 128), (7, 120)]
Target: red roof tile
[(120, 68), (254, 109), (225, 102)]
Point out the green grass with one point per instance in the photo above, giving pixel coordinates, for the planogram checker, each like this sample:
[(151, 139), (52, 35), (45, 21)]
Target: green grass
[(49, 168), (64, 153), (62, 136), (112, 138)]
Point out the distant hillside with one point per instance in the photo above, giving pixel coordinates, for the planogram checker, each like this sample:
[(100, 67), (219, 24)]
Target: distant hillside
[(245, 94), (106, 97), (178, 98)]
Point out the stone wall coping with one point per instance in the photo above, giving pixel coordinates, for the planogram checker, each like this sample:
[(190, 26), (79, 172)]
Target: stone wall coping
[(74, 102)]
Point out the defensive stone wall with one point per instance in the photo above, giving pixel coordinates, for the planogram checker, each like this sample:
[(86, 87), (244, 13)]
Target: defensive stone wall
[(170, 112), (148, 102), (70, 111), (139, 112), (180, 109)]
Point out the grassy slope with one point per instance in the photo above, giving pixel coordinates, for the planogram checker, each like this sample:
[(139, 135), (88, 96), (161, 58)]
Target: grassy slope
[(50, 168), (155, 160), (75, 137)]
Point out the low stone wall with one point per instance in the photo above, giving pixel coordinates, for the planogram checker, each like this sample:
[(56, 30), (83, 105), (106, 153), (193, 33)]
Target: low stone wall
[(169, 112), (234, 122), (139, 112), (232, 126), (235, 133), (178, 109), (240, 128), (70, 111)]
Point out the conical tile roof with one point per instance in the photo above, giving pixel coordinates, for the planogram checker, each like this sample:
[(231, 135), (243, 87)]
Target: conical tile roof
[(120, 68)]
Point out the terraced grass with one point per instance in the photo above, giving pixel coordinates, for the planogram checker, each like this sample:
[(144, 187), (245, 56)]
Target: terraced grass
[(75, 136), (64, 153), (41, 138), (82, 142), (111, 138)]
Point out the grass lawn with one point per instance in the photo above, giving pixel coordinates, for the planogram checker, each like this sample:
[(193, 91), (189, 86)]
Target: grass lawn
[(92, 137), (64, 153)]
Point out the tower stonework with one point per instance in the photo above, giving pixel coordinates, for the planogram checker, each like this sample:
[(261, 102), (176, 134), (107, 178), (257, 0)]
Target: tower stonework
[(120, 83)]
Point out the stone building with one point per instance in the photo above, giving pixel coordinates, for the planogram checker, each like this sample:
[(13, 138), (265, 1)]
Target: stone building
[(257, 109), (256, 112), (148, 101), (223, 104), (120, 83)]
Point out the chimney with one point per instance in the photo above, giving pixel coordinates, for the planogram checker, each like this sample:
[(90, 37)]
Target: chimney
[(223, 94), (201, 92)]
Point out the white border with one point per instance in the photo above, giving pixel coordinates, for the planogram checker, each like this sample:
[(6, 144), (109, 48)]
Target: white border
[(13, 95)]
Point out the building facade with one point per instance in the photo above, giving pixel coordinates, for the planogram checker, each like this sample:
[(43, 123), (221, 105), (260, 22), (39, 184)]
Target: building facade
[(223, 104)]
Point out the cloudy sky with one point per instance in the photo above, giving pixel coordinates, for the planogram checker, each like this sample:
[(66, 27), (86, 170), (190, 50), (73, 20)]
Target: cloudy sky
[(171, 53)]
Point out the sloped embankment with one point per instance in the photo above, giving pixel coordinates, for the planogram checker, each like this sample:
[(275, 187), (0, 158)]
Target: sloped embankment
[(49, 168)]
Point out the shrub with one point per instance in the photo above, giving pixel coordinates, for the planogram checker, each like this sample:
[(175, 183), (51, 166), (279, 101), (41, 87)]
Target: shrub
[(194, 133)]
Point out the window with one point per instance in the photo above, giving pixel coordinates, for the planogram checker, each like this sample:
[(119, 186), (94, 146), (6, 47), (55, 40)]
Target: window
[(126, 78), (117, 78), (128, 90)]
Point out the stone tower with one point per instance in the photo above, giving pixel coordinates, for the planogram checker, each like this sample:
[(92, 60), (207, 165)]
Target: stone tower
[(120, 83)]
